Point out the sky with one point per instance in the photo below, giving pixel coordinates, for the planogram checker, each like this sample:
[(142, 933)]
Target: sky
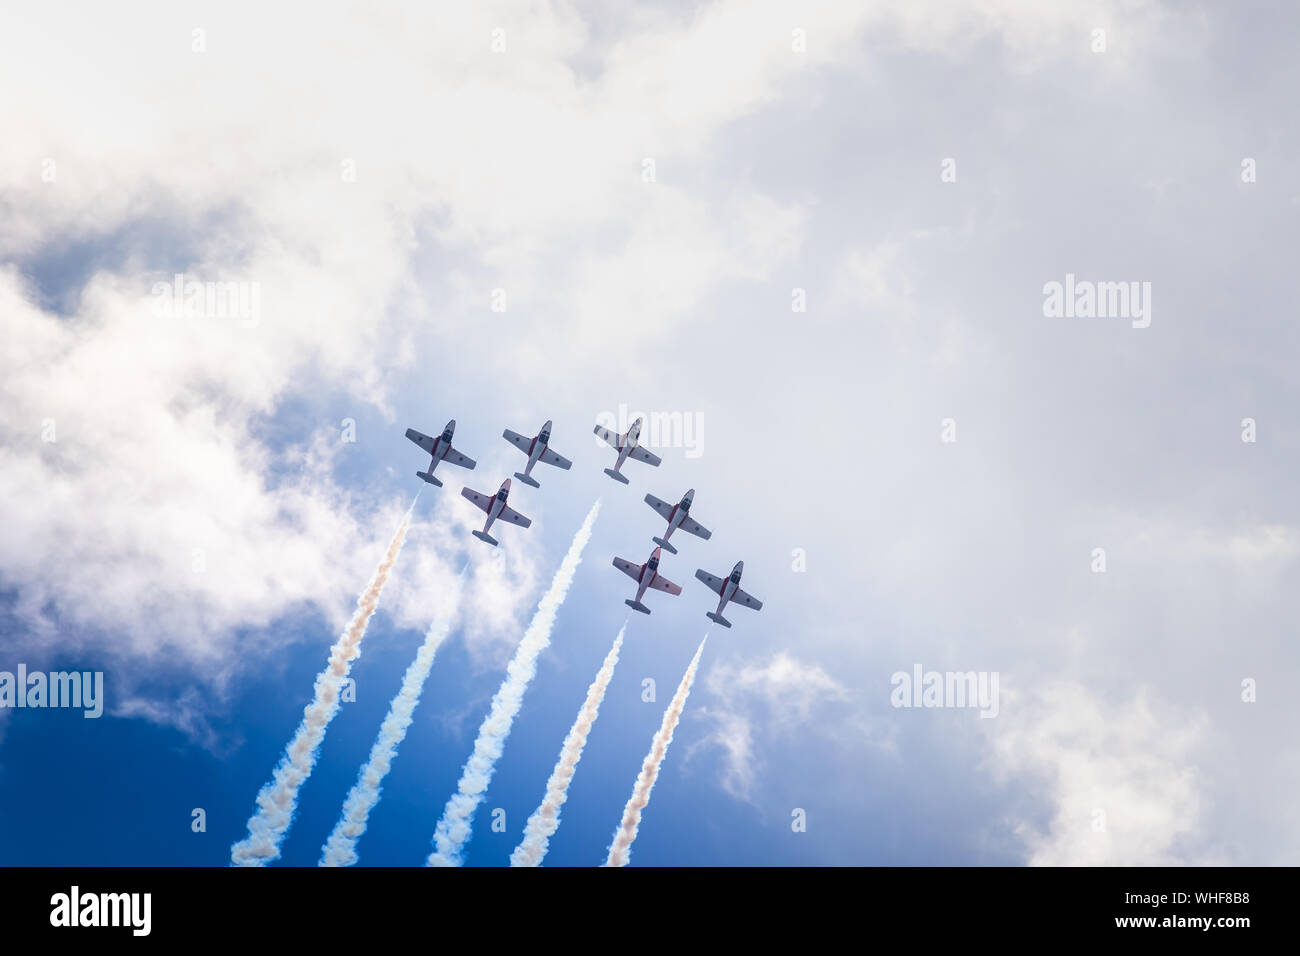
[(823, 236)]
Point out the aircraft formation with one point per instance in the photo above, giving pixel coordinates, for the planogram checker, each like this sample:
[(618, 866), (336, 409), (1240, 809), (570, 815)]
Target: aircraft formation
[(678, 516)]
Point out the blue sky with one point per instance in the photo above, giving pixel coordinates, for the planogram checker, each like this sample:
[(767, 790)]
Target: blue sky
[(918, 468), (109, 816)]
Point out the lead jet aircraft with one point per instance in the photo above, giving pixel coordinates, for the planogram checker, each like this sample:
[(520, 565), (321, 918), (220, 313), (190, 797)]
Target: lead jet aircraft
[(728, 590), (441, 450), (537, 450), (646, 576), (496, 507), (677, 516), (626, 446)]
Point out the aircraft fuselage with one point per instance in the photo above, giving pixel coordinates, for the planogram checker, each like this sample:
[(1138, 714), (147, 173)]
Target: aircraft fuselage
[(498, 502), (646, 578), (628, 443), (442, 445), (537, 448), (678, 515), (731, 585)]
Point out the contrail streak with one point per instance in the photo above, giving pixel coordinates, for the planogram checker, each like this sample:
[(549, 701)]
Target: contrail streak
[(621, 848), (546, 818), (453, 829), (341, 847), (278, 799)]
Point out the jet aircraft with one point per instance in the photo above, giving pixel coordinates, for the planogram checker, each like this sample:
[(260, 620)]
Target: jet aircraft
[(646, 576), (677, 516), (496, 508), (537, 449), (441, 450), (626, 447), (728, 590)]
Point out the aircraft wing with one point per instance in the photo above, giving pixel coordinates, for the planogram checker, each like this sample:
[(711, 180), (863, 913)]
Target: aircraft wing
[(633, 571), (608, 437), (424, 441), (456, 458), (650, 458), (559, 461), (661, 583), (514, 517), (695, 528), (483, 501), (518, 440), (714, 584), (740, 597), (664, 508)]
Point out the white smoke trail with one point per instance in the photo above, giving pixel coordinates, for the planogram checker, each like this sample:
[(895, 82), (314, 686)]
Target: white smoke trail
[(453, 829), (621, 848), (279, 797), (341, 847), (546, 818)]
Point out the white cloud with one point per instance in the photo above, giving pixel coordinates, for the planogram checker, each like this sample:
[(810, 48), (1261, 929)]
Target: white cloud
[(500, 583), (1251, 550), (777, 697), (1122, 785), (523, 170), (186, 712)]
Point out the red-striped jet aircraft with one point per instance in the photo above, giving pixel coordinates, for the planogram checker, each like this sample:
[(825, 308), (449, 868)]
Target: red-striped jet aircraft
[(496, 507), (728, 590), (441, 450), (536, 449), (626, 446), (646, 576), (677, 516)]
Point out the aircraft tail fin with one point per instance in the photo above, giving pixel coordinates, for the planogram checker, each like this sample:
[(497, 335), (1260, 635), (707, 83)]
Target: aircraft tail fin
[(636, 605), (484, 536), (527, 479), (717, 619), (617, 477), (429, 478), (665, 545)]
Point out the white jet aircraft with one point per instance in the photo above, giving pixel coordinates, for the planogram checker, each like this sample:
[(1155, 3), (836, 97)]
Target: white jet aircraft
[(677, 516), (496, 507), (728, 590), (646, 576), (626, 446), (537, 450), (441, 450)]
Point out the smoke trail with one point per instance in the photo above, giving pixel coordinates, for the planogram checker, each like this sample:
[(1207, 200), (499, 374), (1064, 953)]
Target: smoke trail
[(621, 848), (279, 797), (341, 847), (453, 829), (546, 818)]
